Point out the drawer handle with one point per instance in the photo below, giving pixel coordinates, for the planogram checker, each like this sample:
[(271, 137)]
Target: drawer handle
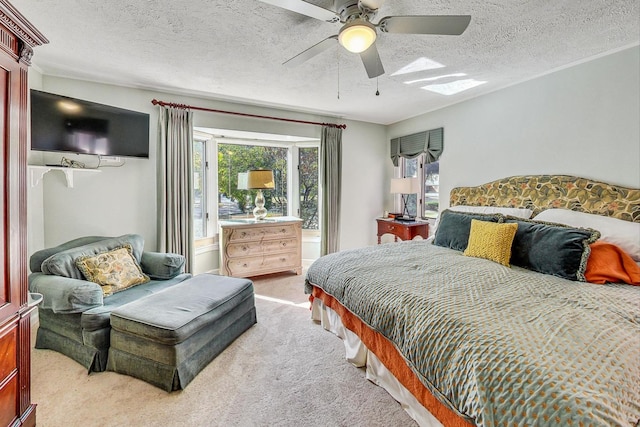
[(244, 248), (244, 233), (283, 259), (284, 244), (244, 265), (392, 227), (283, 230)]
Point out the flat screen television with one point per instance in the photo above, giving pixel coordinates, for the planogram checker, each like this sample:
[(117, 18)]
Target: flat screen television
[(60, 123)]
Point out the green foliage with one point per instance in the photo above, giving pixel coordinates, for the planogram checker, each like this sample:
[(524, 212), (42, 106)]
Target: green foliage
[(308, 163), (233, 159)]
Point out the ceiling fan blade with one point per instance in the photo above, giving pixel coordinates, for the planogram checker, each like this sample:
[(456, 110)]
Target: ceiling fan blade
[(311, 52), (305, 8), (452, 25), (371, 61)]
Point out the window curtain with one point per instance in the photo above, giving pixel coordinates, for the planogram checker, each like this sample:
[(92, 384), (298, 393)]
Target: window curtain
[(330, 181), (430, 142), (175, 183)]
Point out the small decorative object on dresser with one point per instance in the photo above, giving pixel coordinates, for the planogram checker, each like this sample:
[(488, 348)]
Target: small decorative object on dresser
[(253, 247), (403, 230)]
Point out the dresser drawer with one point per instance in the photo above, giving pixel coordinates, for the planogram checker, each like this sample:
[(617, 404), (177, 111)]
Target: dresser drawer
[(235, 250), (388, 227), (243, 267), (264, 232)]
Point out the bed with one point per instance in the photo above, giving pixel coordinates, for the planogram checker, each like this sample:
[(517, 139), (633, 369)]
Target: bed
[(462, 340)]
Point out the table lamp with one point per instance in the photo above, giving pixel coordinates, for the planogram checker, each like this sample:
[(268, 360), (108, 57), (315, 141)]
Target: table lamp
[(405, 186), (260, 180)]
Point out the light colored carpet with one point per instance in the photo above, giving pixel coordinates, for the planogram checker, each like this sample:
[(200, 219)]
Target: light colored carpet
[(284, 371)]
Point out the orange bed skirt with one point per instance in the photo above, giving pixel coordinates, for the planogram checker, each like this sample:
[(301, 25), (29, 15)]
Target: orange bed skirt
[(392, 360)]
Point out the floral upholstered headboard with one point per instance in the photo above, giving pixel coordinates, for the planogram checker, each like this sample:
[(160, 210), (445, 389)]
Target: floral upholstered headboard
[(540, 192)]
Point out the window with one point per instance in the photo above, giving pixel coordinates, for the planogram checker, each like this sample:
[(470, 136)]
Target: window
[(411, 169), (295, 194), (199, 188), (219, 188), (429, 177), (308, 186), (234, 159), (431, 181)]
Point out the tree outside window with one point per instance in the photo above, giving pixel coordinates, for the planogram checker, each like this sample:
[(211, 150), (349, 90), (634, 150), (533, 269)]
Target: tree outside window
[(237, 158), (308, 172), (429, 174)]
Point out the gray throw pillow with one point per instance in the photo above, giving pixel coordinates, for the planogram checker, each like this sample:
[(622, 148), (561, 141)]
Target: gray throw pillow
[(555, 249), (454, 228)]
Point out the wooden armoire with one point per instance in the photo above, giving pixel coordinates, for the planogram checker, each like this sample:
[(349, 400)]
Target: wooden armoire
[(17, 40)]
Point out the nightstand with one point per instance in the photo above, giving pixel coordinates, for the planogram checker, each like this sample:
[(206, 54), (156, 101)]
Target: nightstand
[(403, 230)]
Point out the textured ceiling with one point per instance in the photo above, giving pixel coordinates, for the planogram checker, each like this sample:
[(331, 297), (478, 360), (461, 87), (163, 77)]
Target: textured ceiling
[(234, 49)]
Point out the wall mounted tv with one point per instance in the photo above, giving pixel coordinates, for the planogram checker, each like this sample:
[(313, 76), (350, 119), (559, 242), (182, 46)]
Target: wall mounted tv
[(60, 123)]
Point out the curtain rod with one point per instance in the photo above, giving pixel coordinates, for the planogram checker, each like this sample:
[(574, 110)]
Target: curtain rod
[(255, 116)]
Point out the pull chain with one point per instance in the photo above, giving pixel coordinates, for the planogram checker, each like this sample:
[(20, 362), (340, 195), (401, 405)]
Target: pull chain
[(338, 61), (377, 91)]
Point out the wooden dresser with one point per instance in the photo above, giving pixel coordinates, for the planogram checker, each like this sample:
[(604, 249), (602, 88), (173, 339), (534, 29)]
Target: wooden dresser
[(17, 40), (251, 248)]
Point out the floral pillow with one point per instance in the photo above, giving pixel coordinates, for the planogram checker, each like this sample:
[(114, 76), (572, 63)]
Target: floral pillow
[(114, 270)]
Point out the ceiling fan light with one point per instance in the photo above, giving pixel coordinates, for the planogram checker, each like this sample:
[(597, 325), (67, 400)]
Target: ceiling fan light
[(357, 36)]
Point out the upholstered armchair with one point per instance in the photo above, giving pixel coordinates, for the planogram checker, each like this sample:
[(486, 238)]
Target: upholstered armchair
[(83, 280)]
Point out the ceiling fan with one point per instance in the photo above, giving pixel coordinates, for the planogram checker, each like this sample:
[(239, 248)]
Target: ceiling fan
[(358, 34)]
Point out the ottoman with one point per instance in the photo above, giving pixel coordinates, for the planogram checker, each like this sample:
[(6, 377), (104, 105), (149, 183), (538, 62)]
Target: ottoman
[(167, 338)]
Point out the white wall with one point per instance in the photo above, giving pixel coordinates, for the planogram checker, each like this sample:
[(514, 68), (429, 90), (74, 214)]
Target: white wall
[(365, 180), (123, 200), (583, 120)]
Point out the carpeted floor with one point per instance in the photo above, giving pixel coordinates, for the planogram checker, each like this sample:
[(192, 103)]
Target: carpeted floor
[(284, 371)]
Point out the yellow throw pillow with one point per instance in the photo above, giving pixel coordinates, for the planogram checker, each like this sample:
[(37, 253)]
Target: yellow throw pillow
[(491, 240), (115, 270)]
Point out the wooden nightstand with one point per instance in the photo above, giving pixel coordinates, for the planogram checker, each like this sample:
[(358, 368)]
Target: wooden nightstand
[(403, 230)]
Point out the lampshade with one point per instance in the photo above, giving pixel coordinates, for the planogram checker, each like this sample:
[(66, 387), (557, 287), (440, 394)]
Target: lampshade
[(260, 179), (357, 36), (243, 179), (405, 185)]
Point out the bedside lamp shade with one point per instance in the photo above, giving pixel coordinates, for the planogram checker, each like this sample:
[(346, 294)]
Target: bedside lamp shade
[(405, 185), (260, 180)]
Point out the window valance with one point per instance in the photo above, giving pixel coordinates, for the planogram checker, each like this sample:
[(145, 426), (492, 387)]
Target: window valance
[(430, 142)]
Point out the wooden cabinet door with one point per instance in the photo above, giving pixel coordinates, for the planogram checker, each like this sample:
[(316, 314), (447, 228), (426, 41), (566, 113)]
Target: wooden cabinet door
[(9, 290), (5, 290)]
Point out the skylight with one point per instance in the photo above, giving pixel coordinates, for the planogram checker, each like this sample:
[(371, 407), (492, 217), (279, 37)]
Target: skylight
[(430, 79), (419, 64), (452, 88)]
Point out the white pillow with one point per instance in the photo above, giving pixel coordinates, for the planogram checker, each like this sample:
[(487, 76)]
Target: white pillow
[(517, 212), (625, 234)]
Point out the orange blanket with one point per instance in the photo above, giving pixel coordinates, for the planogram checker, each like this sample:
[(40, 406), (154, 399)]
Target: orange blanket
[(610, 264)]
